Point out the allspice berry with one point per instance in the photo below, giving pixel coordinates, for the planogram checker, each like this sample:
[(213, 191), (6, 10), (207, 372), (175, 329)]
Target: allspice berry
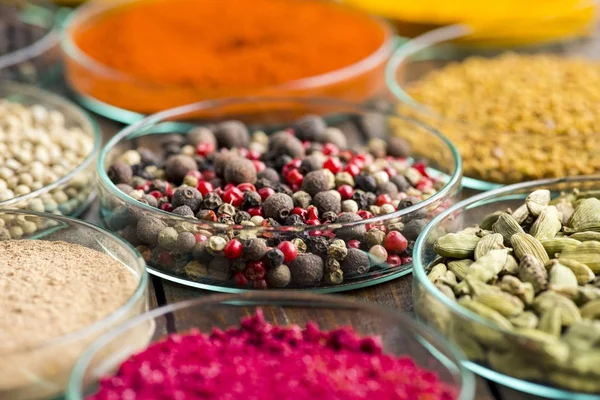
[(350, 232), (413, 228), (200, 252), (148, 229), (254, 249), (330, 200), (282, 143), (201, 134), (315, 182), (185, 242), (335, 136), (398, 147), (269, 174), (301, 199), (221, 160), (120, 172), (387, 188), (356, 262), (240, 170), (178, 166), (311, 163), (278, 206), (307, 270), (279, 277), (310, 127), (232, 134), (183, 211), (187, 196), (218, 268)]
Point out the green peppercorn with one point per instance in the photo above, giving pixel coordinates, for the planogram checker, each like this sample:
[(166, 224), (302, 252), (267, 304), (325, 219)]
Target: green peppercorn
[(356, 262), (196, 270), (334, 277), (343, 178), (279, 277), (216, 244), (300, 245), (301, 199), (190, 180), (331, 264), (226, 209), (167, 238), (337, 249), (374, 236)]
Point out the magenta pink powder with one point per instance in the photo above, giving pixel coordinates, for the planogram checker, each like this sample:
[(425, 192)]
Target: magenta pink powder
[(260, 361)]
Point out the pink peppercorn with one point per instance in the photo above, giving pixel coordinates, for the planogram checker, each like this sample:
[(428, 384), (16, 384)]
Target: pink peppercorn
[(395, 242), (346, 191), (312, 213), (200, 237), (246, 187), (265, 193), (330, 149), (289, 251), (255, 211), (294, 177), (352, 169), (394, 260), (240, 279), (168, 207), (204, 187), (259, 166), (233, 249), (156, 194), (333, 164), (204, 148), (354, 244)]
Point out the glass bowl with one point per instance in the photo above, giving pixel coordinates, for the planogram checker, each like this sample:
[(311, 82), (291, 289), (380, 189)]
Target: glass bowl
[(72, 193), (42, 372), (37, 58), (117, 95), (480, 338), (120, 212), (484, 146), (400, 334)]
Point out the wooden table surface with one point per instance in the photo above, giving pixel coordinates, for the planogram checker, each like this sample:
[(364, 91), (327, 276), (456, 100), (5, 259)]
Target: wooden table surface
[(396, 294)]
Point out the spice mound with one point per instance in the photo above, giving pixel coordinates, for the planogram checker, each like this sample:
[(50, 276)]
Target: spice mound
[(37, 148), (255, 205), (261, 361), (517, 117), (534, 272)]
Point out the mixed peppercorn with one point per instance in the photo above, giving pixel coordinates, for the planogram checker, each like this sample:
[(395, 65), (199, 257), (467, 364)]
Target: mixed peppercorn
[(271, 211)]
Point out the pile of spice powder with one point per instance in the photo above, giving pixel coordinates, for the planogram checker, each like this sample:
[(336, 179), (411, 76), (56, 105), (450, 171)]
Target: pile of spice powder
[(516, 117), (291, 180), (261, 361), (49, 289)]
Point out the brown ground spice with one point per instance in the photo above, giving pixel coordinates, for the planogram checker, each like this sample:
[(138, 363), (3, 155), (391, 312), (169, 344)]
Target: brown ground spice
[(49, 289)]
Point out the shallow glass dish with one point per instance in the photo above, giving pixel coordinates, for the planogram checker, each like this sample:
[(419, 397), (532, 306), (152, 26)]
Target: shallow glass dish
[(42, 372), (444, 47), (400, 334), (119, 96), (30, 53), (120, 212), (460, 325), (73, 193)]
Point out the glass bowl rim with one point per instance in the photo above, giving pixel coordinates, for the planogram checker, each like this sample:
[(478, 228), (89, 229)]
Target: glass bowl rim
[(154, 119), (137, 294), (277, 298), (91, 9), (40, 46), (92, 129)]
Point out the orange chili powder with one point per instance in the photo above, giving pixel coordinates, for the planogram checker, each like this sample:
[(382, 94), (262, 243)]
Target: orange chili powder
[(227, 46)]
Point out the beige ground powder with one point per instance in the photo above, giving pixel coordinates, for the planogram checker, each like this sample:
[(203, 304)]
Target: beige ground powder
[(49, 289)]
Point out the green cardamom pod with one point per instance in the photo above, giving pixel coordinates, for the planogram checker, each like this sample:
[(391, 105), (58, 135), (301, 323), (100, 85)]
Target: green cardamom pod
[(489, 265), (460, 268), (586, 216), (511, 267), (556, 245), (437, 272), (565, 210), (521, 213), (523, 290), (505, 303), (487, 243), (525, 244), (551, 322), (507, 226), (561, 278), (531, 270), (587, 293), (546, 349), (462, 289), (446, 290), (586, 236), (490, 220), (549, 300), (586, 363), (449, 279), (513, 363), (526, 319), (537, 201), (470, 347), (456, 245), (573, 381), (547, 224), (583, 273), (486, 312), (591, 310), (587, 253), (583, 335), (477, 287)]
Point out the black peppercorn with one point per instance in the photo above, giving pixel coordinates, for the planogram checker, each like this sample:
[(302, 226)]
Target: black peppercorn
[(277, 206), (240, 170), (318, 245), (187, 196), (401, 182), (201, 134), (306, 270), (356, 262), (226, 219), (310, 128), (293, 220), (201, 253), (274, 241), (279, 277), (150, 200), (241, 216), (311, 163), (232, 134), (360, 199), (206, 215), (274, 258), (330, 200), (264, 183), (254, 249), (398, 147), (250, 200), (269, 174), (280, 160), (282, 188), (238, 265), (202, 163), (171, 149), (315, 182), (211, 201), (330, 216), (413, 228), (147, 156), (184, 211), (120, 172), (178, 166), (148, 229), (371, 198), (365, 182), (387, 188), (350, 232)]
